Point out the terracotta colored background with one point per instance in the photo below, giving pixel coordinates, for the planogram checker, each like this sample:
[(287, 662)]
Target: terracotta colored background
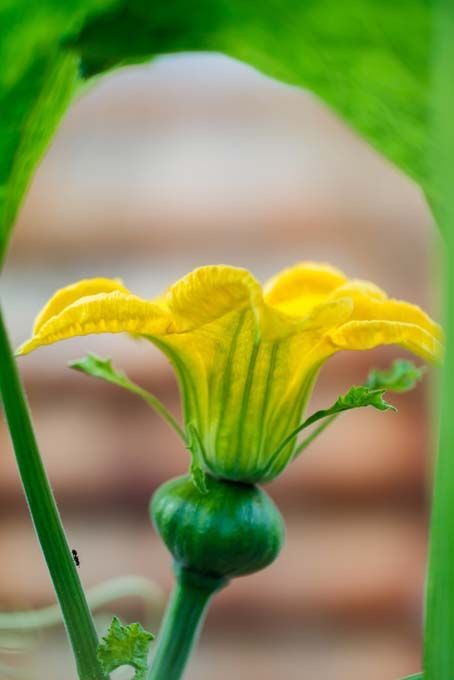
[(158, 169)]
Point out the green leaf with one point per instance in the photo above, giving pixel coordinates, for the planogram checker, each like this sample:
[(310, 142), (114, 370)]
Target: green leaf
[(125, 646), (103, 369), (401, 377), (49, 96), (369, 60), (37, 81)]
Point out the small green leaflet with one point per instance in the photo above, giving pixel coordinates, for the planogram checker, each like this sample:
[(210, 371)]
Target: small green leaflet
[(103, 369), (356, 397), (401, 377), (100, 368), (125, 646)]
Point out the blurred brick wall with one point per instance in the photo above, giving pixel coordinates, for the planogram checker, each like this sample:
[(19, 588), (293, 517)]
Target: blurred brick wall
[(157, 170)]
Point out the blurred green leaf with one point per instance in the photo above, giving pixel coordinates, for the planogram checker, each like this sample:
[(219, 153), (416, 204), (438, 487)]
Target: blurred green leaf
[(37, 80), (125, 646), (368, 59)]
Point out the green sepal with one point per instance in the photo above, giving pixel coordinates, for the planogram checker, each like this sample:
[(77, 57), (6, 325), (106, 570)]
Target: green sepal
[(198, 477), (358, 396), (97, 367), (416, 676), (125, 646), (402, 376), (195, 447)]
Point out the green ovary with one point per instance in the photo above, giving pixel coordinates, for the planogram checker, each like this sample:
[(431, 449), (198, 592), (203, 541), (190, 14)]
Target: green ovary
[(232, 530)]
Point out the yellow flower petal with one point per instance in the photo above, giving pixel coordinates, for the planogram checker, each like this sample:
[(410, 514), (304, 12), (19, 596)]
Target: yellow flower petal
[(66, 296), (367, 307), (208, 293), (328, 315), (115, 312), (298, 289), (362, 335), (358, 289), (377, 320)]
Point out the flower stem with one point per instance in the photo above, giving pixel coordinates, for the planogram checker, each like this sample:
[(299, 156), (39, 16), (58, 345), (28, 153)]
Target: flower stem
[(182, 623), (46, 519)]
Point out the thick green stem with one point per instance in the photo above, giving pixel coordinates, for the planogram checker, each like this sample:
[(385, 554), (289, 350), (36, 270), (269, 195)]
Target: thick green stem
[(182, 623), (439, 620), (46, 519)]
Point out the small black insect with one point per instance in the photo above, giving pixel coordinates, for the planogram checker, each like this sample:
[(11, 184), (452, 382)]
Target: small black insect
[(75, 557)]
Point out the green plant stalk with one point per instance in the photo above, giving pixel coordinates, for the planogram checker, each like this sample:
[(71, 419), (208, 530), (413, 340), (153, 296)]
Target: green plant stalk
[(46, 519), (182, 623), (439, 615)]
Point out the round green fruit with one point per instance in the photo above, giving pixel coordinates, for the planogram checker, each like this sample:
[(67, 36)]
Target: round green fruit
[(232, 530)]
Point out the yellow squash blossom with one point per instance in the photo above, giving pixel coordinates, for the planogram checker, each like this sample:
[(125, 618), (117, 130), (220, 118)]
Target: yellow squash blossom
[(246, 357)]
